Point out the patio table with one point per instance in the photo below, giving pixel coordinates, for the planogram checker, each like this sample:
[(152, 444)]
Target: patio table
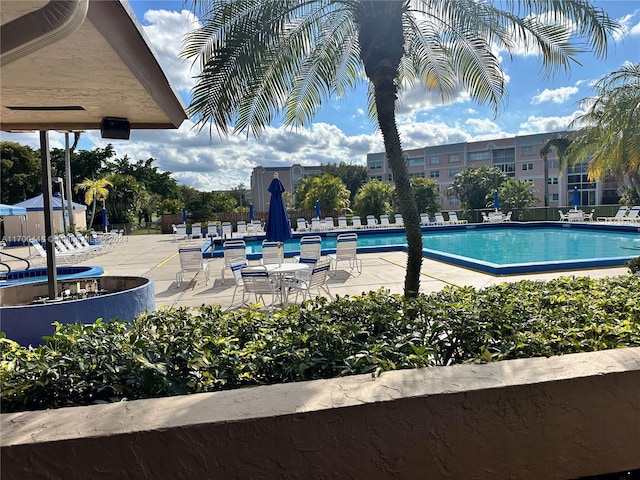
[(280, 271)]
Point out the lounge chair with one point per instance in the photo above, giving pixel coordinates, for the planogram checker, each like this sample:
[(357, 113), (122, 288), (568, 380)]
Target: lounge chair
[(620, 214), (234, 251), (328, 223), (440, 219), (507, 217), (453, 219), (564, 217), (256, 227), (372, 222), (356, 222), (191, 261), (399, 221), (310, 247), (227, 230), (342, 223), (424, 219), (301, 225), (633, 216), (384, 221), (196, 230), (316, 226), (212, 230), (181, 232), (241, 228), (346, 250)]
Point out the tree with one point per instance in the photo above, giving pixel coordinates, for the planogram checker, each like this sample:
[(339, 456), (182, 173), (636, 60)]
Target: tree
[(94, 190), (560, 144), (84, 164), (20, 176), (517, 196), (330, 191), (353, 176), (239, 193), (473, 186), (425, 192), (611, 137), (202, 204), (260, 58), (374, 198)]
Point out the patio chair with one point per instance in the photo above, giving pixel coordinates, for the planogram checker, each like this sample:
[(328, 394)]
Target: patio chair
[(256, 281), (453, 219), (342, 223), (356, 222), (236, 269), (399, 221), (316, 279), (384, 220), (316, 226), (424, 219), (310, 247), (588, 217), (196, 230), (272, 252), (372, 222), (66, 254), (346, 250), (301, 225), (485, 218), (633, 216), (191, 261), (564, 217), (620, 214), (234, 251), (257, 227), (212, 230), (507, 217)]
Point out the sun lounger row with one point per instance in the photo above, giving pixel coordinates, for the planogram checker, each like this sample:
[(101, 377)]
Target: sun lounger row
[(72, 248), (623, 215)]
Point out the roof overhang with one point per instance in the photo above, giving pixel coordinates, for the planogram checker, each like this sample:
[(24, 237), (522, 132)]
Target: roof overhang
[(67, 64)]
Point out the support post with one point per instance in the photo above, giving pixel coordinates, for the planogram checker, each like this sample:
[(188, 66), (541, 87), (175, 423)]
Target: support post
[(45, 159)]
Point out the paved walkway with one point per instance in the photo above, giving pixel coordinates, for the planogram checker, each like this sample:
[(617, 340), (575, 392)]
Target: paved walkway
[(156, 257)]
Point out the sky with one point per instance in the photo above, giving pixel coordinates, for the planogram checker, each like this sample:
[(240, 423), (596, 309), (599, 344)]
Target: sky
[(342, 130)]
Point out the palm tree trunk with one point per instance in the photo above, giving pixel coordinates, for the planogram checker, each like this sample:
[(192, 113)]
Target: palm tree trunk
[(381, 50)]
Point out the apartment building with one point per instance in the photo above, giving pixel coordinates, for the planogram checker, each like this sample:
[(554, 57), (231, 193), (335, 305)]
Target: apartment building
[(519, 157), (289, 176)]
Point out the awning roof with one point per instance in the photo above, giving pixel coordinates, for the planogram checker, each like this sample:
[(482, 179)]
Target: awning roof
[(67, 64), (7, 210), (36, 204)]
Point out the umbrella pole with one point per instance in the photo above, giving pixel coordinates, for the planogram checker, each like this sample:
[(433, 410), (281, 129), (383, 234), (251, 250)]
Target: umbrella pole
[(45, 159)]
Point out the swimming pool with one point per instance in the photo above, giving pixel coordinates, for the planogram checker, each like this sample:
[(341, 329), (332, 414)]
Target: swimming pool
[(40, 274), (499, 249)]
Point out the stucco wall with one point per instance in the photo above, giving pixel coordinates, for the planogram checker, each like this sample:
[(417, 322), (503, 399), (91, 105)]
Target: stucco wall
[(557, 418)]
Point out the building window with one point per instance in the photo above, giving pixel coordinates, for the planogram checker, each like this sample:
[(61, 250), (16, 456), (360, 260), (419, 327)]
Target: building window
[(505, 160), (479, 156), (375, 166), (377, 177), (553, 164), (416, 162), (552, 181), (527, 166), (528, 150), (454, 202), (417, 174), (553, 197), (454, 158), (391, 177), (454, 171), (527, 180), (434, 173), (434, 160)]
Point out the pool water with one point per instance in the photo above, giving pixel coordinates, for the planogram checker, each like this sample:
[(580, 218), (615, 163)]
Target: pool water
[(498, 249), (40, 274)]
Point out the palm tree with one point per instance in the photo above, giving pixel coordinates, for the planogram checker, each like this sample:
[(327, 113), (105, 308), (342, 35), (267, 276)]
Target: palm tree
[(263, 60), (94, 191), (610, 135), (560, 145)]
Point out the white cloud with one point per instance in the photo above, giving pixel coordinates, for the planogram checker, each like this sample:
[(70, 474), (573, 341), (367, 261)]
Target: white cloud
[(535, 124), (630, 25), (558, 95)]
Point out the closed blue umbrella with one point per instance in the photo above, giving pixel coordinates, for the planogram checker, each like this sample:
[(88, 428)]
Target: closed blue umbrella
[(105, 220), (496, 201), (317, 208), (576, 198), (251, 217), (278, 226), (184, 216)]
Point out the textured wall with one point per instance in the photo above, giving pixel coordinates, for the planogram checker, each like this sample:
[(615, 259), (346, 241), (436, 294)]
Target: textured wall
[(557, 418)]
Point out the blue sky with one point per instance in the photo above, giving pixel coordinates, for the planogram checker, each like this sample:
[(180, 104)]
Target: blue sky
[(342, 130)]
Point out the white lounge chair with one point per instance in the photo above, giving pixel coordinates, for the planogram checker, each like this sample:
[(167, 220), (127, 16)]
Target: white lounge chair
[(196, 230), (618, 217), (328, 223), (227, 230), (301, 225), (633, 216), (316, 226), (342, 223), (399, 221), (424, 219), (440, 219), (564, 217), (241, 228), (372, 222), (212, 230), (346, 250), (356, 222), (181, 232), (384, 221), (191, 261), (453, 219)]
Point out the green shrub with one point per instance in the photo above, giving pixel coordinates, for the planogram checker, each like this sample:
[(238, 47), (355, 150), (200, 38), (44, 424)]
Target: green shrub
[(634, 265), (189, 350)]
